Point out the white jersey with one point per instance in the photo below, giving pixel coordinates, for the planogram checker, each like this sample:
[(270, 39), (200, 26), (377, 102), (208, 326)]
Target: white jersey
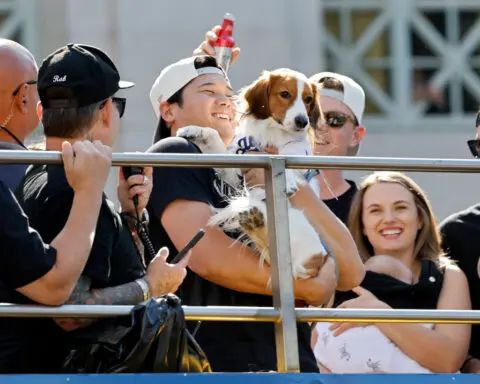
[(243, 144)]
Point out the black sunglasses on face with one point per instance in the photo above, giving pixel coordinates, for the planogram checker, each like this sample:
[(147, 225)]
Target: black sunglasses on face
[(338, 119), (474, 145), (120, 103), (29, 82)]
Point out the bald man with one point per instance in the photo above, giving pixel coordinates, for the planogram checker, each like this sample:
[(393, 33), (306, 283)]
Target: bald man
[(18, 104)]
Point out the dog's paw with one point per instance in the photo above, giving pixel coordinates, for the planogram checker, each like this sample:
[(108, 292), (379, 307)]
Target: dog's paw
[(309, 268), (293, 182), (251, 219), (191, 132), (207, 139)]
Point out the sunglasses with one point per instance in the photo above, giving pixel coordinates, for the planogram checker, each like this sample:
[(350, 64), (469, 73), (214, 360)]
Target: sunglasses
[(120, 103), (29, 82), (338, 119), (474, 145)]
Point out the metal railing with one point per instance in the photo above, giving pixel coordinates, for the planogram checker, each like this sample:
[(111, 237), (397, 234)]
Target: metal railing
[(283, 314)]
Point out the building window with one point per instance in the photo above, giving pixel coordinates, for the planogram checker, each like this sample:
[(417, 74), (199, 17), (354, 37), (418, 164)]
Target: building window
[(417, 58)]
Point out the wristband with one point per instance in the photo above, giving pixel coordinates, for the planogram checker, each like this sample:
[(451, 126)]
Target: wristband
[(142, 283)]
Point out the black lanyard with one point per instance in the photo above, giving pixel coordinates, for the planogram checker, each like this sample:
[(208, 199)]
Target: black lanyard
[(14, 137)]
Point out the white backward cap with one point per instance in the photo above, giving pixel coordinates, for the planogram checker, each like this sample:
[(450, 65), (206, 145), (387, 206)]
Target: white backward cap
[(175, 77), (352, 96)]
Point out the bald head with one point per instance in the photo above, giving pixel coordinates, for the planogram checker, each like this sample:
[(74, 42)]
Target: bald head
[(7, 45), (17, 65)]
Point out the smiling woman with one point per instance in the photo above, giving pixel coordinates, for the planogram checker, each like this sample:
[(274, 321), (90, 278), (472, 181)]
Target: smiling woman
[(392, 215), (396, 234)]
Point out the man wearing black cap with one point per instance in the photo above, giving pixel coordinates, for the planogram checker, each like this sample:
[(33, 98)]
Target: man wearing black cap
[(78, 86), (47, 274)]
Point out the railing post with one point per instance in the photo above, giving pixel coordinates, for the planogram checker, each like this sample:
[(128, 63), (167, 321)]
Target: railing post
[(281, 266)]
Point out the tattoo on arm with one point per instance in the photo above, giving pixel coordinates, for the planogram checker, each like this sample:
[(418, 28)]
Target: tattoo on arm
[(132, 228), (126, 294)]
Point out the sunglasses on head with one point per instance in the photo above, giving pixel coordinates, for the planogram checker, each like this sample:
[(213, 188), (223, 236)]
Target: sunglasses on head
[(338, 119), (120, 103)]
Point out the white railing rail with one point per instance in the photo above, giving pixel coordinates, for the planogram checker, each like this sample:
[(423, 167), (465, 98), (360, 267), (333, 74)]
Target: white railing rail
[(283, 314)]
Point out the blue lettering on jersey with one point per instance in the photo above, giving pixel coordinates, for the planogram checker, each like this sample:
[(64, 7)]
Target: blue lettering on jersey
[(245, 144)]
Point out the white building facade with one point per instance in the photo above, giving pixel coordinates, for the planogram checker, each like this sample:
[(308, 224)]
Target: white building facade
[(417, 60)]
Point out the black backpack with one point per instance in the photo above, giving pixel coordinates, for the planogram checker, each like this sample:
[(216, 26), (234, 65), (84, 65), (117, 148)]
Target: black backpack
[(153, 339)]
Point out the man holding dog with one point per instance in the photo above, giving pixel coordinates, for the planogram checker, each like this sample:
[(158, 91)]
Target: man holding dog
[(196, 91)]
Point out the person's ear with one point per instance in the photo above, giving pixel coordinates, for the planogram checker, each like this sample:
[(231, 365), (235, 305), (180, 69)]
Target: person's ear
[(39, 111), (105, 113), (358, 134), (20, 101), (167, 112)]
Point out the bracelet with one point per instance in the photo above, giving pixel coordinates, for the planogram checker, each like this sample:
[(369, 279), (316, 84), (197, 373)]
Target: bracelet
[(145, 288)]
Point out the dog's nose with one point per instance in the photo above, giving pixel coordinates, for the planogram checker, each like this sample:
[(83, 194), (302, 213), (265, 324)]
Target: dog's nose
[(301, 121)]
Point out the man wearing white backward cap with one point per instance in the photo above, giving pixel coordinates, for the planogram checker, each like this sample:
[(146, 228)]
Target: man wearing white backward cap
[(340, 133), (223, 272), (168, 102)]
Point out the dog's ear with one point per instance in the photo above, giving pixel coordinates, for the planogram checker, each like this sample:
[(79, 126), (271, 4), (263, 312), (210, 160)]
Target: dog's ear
[(256, 97), (315, 112)]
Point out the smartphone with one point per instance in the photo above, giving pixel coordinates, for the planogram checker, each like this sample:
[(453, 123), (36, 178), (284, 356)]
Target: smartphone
[(180, 255)]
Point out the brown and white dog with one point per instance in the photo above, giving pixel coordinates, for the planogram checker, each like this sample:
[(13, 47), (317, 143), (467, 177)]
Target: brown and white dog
[(277, 110)]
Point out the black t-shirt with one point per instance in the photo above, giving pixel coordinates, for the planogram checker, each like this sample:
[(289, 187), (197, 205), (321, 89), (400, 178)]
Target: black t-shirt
[(341, 206), (230, 346), (114, 260), (24, 258), (12, 174), (460, 233), (399, 295)]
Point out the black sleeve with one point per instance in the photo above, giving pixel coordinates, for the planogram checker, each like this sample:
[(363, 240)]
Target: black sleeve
[(447, 235), (452, 240), (52, 218), (98, 266), (448, 231), (170, 184), (24, 257)]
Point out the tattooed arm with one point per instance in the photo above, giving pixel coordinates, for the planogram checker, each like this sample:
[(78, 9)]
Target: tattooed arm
[(131, 222), (126, 294), (161, 278)]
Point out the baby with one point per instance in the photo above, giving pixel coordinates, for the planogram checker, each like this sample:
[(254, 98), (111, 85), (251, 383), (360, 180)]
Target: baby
[(366, 349), (390, 266)]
